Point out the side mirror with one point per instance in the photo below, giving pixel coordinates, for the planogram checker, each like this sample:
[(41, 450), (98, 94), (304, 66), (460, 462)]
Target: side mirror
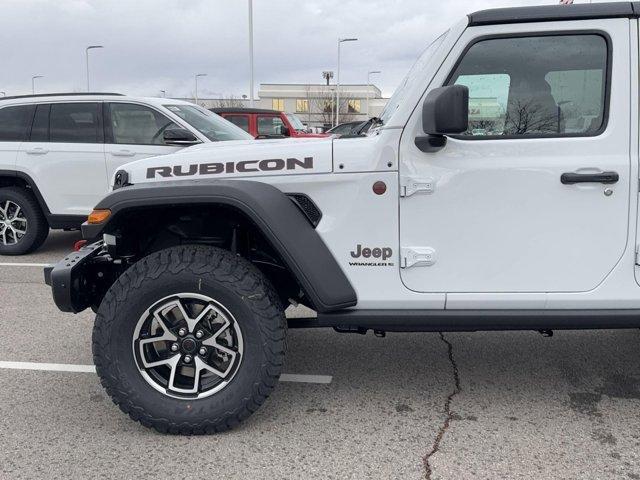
[(179, 137), (284, 131), (445, 111)]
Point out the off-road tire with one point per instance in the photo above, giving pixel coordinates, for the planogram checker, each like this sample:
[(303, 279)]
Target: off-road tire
[(219, 274), (37, 226)]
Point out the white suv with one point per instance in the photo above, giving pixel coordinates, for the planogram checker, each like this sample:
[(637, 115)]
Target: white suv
[(58, 153)]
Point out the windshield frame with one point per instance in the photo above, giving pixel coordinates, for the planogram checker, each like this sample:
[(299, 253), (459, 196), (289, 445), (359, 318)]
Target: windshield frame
[(398, 96), (215, 120)]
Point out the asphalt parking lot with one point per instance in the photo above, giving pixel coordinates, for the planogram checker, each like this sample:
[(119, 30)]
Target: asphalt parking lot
[(458, 406)]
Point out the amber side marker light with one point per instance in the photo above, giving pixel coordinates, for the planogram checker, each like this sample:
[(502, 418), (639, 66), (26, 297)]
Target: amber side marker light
[(98, 216)]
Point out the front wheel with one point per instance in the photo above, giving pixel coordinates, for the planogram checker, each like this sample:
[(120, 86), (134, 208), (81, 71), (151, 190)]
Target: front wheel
[(190, 340)]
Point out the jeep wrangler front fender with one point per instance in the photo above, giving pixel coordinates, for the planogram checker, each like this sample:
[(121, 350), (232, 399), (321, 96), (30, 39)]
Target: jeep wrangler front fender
[(277, 217)]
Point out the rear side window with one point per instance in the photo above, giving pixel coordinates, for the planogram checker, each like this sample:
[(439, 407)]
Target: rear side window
[(551, 85), (241, 121), (75, 123), (15, 122)]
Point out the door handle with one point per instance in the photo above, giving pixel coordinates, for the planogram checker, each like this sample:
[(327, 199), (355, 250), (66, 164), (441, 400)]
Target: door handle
[(571, 178), (123, 153), (37, 151)]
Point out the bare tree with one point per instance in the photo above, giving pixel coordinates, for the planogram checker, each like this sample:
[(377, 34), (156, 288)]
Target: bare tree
[(525, 117), (229, 102)]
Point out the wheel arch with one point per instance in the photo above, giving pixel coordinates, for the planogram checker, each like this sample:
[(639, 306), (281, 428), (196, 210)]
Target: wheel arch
[(278, 219)]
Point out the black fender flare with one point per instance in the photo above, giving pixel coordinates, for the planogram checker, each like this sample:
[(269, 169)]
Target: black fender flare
[(279, 219)]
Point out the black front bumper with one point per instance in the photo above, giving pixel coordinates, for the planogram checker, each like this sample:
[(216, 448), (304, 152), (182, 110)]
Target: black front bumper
[(70, 284)]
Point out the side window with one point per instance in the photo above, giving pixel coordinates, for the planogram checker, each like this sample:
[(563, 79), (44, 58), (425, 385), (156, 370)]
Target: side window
[(138, 125), (241, 121), (270, 125), (15, 123), (539, 85), (75, 123)]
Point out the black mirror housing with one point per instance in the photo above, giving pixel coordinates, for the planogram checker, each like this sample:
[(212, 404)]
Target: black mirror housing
[(179, 136), (445, 111)]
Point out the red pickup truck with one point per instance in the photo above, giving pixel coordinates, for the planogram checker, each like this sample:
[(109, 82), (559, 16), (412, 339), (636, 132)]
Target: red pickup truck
[(262, 123)]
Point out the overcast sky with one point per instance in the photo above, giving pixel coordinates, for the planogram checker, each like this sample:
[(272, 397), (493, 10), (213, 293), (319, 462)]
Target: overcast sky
[(153, 45)]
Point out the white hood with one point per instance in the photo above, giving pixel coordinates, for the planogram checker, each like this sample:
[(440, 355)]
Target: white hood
[(238, 158)]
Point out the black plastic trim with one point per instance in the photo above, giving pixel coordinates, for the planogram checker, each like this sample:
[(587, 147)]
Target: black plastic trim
[(278, 218), (471, 320), (76, 94), (554, 13)]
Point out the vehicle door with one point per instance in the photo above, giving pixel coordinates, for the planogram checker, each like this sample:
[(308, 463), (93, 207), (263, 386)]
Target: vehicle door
[(15, 122), (134, 131), (269, 126), (534, 197), (65, 156)]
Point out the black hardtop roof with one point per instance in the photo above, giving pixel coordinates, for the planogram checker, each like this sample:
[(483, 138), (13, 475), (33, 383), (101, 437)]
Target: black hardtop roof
[(550, 13), (243, 110)]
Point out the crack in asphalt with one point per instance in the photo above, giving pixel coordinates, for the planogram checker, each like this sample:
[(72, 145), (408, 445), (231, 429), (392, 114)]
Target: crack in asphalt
[(447, 409)]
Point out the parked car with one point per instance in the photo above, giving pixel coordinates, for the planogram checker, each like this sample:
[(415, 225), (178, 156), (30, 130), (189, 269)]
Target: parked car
[(351, 128), (263, 123), (420, 225), (58, 153)]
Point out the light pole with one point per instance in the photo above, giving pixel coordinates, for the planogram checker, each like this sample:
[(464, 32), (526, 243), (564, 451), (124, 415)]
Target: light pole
[(198, 75), (33, 83), (340, 41), (251, 97), (369, 73), (90, 47)]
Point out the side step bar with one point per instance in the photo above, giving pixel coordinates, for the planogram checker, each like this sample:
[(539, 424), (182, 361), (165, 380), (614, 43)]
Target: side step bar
[(470, 320)]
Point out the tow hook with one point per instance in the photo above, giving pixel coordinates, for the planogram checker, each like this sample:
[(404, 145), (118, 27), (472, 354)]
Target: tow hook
[(546, 332)]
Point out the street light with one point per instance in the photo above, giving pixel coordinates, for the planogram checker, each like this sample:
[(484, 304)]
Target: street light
[(369, 73), (164, 93), (340, 41), (252, 100), (90, 47), (33, 82), (198, 75)]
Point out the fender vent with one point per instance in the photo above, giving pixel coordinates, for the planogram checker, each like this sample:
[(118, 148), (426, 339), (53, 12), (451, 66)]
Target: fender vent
[(306, 205)]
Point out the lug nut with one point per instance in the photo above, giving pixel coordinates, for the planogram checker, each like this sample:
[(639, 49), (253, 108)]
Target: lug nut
[(175, 347), (182, 332), (203, 351), (199, 334), (187, 358)]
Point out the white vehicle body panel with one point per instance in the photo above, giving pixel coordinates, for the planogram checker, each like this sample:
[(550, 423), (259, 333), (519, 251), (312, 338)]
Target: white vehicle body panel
[(507, 233)]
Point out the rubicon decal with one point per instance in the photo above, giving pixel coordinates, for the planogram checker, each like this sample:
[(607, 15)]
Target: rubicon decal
[(216, 168), (371, 254)]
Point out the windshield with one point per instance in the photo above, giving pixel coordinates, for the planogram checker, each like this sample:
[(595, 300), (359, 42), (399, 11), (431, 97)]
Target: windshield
[(295, 122), (212, 126), (398, 97)]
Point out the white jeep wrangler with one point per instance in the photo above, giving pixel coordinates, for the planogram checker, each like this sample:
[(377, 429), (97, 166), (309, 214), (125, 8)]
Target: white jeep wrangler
[(59, 151), (498, 190)]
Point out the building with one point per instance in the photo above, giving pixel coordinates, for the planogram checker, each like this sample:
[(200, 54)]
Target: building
[(314, 104)]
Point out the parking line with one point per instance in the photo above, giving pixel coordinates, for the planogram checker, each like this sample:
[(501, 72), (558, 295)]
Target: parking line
[(66, 367), (41, 265)]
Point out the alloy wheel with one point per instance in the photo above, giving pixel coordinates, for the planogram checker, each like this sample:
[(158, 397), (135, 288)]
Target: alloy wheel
[(187, 346), (13, 223)]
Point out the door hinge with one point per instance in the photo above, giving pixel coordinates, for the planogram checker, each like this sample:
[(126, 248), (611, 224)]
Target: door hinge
[(417, 257), (411, 185)]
